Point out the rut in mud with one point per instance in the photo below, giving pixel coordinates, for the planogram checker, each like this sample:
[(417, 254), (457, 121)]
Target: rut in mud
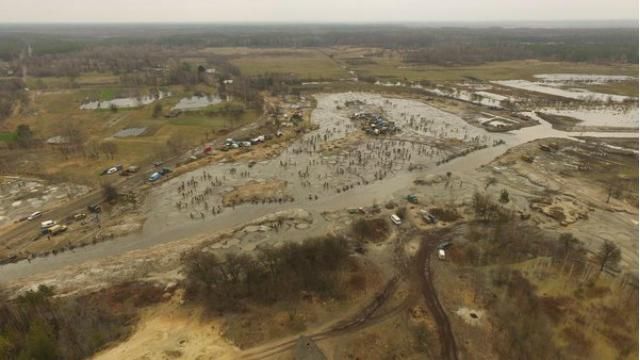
[(448, 348), (367, 316)]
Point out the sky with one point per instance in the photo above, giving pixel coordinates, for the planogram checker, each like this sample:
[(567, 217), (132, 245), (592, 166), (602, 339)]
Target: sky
[(12, 11)]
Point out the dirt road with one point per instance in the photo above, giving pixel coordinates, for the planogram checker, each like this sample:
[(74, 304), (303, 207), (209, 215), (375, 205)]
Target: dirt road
[(366, 316), (448, 349)]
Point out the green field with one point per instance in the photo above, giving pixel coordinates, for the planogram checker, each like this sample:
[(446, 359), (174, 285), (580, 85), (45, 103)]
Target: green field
[(8, 136), (306, 64), (394, 69)]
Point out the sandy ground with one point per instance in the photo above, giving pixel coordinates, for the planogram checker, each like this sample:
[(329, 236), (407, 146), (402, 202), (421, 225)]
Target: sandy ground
[(170, 331)]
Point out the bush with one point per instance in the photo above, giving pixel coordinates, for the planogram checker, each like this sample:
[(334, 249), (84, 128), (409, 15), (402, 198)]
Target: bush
[(487, 210), (370, 230), (447, 214), (504, 196), (227, 284), (110, 192)]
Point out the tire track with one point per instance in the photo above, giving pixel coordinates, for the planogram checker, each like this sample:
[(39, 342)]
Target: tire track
[(448, 348)]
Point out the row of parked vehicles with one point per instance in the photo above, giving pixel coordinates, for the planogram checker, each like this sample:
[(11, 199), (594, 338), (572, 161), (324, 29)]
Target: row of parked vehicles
[(119, 168), (52, 228), (234, 144)]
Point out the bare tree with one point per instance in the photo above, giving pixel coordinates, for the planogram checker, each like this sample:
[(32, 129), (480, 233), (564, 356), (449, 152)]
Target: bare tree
[(177, 143), (109, 148), (110, 192), (608, 256), (92, 149)]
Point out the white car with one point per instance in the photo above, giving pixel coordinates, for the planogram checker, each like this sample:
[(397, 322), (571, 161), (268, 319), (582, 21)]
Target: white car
[(112, 170), (34, 215), (47, 224), (396, 219)]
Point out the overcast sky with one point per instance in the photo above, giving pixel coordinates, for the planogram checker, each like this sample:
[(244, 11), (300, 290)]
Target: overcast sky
[(312, 10)]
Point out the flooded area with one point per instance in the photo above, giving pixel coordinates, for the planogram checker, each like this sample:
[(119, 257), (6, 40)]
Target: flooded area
[(196, 102), (130, 102), (606, 117), (588, 78), (315, 168), (334, 167), (553, 89)]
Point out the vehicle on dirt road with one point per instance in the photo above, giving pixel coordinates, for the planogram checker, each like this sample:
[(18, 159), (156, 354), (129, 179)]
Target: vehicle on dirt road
[(47, 224), (95, 208), (79, 216), (155, 176), (396, 219), (34, 215), (57, 229)]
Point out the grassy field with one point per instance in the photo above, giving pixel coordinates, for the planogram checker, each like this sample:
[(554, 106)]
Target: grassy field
[(50, 112), (7, 136), (307, 64), (87, 79), (389, 64)]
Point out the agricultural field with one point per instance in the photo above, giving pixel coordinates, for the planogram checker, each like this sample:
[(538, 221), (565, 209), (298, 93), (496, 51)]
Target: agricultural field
[(306, 64)]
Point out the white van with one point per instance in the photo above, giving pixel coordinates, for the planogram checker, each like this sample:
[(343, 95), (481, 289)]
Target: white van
[(396, 219)]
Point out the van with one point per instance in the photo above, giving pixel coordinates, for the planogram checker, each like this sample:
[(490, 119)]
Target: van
[(396, 219)]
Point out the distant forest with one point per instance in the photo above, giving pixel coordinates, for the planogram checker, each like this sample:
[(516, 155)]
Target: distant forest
[(424, 45)]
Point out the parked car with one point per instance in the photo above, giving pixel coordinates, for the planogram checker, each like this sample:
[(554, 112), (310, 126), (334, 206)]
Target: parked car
[(155, 176), (34, 215), (95, 208), (79, 216), (57, 229), (47, 224), (396, 219)]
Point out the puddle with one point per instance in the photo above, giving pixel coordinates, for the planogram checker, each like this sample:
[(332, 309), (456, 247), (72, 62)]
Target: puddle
[(130, 102), (196, 102), (470, 316), (130, 132)]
